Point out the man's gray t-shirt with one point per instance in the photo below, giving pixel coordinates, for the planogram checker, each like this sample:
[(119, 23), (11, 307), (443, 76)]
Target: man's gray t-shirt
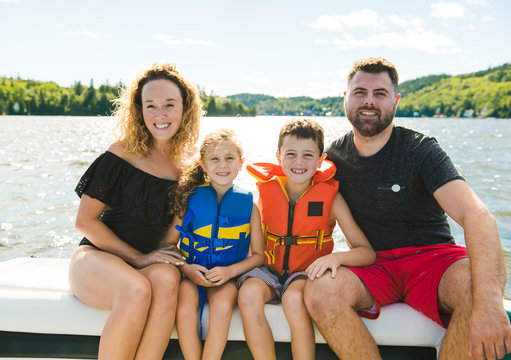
[(391, 192)]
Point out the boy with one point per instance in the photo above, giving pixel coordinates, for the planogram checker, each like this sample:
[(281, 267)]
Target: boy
[(300, 205)]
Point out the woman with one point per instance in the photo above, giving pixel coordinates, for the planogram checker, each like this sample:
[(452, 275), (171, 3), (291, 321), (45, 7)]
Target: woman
[(124, 215)]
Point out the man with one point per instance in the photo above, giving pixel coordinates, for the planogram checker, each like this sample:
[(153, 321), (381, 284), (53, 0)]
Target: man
[(398, 183)]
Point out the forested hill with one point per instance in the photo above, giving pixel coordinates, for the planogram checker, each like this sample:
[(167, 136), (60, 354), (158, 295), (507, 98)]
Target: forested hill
[(300, 105), (484, 93), (30, 97)]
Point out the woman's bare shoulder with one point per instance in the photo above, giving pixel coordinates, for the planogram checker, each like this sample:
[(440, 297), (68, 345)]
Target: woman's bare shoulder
[(119, 149)]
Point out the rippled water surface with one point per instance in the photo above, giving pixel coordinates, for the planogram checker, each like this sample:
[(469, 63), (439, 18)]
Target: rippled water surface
[(42, 158)]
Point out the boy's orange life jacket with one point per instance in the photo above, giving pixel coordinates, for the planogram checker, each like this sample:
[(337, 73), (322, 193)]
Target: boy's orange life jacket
[(296, 234)]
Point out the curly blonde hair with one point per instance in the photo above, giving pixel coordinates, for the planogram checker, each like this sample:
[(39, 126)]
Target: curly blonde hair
[(133, 132), (193, 174)]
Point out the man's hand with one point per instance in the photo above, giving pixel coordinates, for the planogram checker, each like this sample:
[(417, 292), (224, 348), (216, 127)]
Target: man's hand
[(490, 333)]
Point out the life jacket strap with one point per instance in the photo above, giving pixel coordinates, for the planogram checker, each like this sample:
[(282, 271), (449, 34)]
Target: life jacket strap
[(213, 243), (189, 249), (285, 240)]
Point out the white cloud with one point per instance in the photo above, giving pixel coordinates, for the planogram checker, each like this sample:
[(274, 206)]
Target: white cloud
[(327, 22), (417, 39), (89, 33), (348, 42), (8, 1), (170, 40), (423, 40), (260, 81), (475, 2), (353, 20), (362, 18), (448, 10), (405, 22), (394, 31), (488, 18)]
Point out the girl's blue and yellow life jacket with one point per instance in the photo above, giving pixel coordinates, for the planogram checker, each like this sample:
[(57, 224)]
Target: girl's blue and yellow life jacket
[(216, 234)]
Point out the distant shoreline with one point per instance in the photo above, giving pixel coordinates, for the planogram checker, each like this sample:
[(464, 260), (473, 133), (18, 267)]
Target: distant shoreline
[(482, 94)]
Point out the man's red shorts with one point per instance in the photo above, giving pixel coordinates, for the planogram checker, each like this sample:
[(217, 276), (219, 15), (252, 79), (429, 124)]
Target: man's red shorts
[(410, 275)]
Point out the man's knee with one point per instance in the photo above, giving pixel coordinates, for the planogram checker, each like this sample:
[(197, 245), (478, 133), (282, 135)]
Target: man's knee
[(455, 288), (345, 290)]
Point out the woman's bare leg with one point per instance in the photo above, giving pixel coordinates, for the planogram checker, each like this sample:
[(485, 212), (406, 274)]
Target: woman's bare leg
[(164, 279), (104, 281)]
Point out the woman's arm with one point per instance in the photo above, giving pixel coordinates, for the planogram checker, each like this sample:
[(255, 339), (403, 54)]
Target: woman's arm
[(221, 274), (361, 252)]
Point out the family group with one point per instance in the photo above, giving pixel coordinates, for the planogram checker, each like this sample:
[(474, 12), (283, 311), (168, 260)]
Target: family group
[(163, 235)]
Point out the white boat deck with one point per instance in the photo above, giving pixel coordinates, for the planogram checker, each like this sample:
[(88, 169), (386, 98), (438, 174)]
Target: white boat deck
[(35, 298)]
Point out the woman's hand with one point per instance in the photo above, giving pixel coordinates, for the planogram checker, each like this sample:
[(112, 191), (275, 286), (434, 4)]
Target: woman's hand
[(319, 266), (219, 275), (166, 255), (195, 273)]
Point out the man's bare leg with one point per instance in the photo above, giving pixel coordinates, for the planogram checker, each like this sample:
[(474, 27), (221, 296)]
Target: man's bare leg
[(455, 296), (333, 305)]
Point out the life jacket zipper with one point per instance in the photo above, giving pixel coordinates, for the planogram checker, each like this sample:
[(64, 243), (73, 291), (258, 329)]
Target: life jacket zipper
[(290, 216)]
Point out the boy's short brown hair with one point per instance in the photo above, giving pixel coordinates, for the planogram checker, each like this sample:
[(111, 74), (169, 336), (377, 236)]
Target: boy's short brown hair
[(303, 129)]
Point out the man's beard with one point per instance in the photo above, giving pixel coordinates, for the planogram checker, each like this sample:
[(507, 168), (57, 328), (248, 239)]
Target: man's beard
[(370, 127)]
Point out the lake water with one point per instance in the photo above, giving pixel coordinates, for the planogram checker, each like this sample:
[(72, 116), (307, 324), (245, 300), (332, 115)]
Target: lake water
[(42, 159)]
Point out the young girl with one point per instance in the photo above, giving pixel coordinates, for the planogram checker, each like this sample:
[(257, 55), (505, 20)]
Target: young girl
[(219, 221), (124, 215)]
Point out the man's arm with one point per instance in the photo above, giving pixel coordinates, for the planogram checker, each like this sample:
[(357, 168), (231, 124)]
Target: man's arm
[(489, 325)]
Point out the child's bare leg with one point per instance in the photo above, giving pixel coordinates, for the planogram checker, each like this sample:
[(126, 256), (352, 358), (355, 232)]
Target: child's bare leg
[(221, 302), (253, 294), (188, 302), (303, 344)]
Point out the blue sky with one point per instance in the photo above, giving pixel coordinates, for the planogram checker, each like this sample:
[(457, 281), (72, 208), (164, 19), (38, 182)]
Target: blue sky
[(280, 48)]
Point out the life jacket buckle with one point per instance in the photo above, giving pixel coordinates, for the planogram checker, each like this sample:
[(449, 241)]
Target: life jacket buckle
[(288, 240), (215, 243), (214, 258)]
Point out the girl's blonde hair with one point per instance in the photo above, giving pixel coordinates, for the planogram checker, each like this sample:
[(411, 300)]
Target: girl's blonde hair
[(133, 132), (193, 174)]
